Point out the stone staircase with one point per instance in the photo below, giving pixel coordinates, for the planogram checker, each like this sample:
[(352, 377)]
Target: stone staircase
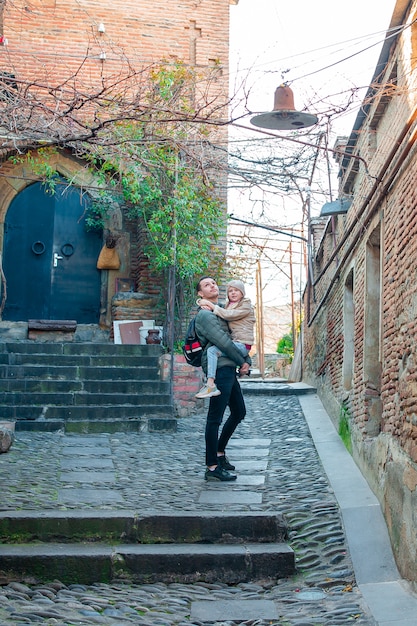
[(84, 387), (89, 547)]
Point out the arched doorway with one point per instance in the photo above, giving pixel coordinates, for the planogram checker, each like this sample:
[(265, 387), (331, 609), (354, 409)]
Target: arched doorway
[(49, 258)]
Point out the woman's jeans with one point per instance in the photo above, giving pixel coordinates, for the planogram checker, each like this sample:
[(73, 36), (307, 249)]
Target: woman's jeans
[(231, 395), (213, 354)]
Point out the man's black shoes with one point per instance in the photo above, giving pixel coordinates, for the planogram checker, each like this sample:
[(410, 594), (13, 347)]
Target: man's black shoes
[(219, 474), (224, 463)]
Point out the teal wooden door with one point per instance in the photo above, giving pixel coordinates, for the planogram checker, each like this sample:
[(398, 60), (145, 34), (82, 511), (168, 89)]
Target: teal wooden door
[(49, 258)]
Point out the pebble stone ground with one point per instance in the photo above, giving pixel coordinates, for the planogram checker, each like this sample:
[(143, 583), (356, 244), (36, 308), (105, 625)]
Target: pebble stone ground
[(149, 472)]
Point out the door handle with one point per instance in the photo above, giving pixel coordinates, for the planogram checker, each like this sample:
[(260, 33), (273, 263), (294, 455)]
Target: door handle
[(57, 258)]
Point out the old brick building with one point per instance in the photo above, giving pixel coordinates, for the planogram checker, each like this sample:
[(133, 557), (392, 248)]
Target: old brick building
[(360, 332), (79, 45)]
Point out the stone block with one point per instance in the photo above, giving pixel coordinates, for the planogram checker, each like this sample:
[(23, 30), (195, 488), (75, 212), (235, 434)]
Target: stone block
[(6, 439), (236, 610), (6, 436)]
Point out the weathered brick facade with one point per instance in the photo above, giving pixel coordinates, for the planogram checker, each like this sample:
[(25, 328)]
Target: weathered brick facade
[(53, 37), (360, 337), (187, 381), (83, 43)]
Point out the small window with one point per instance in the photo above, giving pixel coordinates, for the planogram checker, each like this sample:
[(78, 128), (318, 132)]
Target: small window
[(8, 86)]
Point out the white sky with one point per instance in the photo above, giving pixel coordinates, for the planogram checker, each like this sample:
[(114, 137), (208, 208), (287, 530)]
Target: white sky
[(297, 37), (274, 42)]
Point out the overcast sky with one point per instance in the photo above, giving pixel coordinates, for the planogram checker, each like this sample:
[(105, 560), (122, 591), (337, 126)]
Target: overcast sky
[(273, 40)]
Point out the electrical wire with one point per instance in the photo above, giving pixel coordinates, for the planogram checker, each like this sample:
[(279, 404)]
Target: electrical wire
[(342, 44), (389, 34), (322, 69)]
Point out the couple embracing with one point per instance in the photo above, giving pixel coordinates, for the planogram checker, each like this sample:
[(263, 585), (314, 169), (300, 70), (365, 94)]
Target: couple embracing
[(222, 355)]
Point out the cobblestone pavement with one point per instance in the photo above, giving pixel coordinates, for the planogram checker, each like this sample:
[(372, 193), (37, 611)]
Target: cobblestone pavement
[(148, 472)]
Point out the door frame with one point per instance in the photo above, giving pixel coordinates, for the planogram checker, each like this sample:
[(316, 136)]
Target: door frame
[(18, 176)]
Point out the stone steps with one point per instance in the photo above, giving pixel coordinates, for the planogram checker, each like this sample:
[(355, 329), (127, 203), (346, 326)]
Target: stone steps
[(130, 527), (139, 564), (80, 386), (77, 348), (31, 385), (272, 387), (56, 371), (81, 360), (82, 398), (102, 546)]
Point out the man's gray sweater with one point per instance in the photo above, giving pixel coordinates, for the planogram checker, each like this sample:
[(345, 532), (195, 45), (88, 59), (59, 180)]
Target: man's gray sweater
[(212, 330)]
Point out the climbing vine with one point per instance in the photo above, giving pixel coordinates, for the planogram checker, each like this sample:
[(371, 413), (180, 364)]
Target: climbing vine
[(41, 164)]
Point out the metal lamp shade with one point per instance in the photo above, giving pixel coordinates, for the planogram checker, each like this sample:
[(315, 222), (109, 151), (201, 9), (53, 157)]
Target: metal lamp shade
[(284, 116), (341, 205)]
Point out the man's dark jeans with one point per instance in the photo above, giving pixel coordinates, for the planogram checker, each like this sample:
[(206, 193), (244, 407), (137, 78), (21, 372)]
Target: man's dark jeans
[(231, 395)]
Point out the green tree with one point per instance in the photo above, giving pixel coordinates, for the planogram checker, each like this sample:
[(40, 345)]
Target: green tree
[(164, 173), (285, 346)]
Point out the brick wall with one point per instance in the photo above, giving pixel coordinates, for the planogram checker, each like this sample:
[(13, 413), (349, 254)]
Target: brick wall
[(187, 381), (59, 42), (376, 244), (47, 36)]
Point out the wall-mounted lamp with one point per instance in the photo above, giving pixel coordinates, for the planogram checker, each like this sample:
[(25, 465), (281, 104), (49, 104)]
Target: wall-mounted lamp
[(101, 28), (102, 56), (341, 205), (284, 116)]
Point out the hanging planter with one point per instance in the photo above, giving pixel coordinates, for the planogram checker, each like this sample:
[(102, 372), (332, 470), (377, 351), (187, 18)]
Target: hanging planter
[(109, 257)]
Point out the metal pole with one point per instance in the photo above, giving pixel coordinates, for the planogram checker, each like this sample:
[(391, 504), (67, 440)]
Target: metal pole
[(260, 321), (292, 301), (171, 295)]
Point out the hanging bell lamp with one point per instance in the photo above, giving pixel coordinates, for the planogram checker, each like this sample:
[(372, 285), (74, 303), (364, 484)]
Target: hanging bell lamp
[(284, 116)]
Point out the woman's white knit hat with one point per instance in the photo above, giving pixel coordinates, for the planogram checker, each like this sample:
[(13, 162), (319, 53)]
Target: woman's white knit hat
[(237, 284)]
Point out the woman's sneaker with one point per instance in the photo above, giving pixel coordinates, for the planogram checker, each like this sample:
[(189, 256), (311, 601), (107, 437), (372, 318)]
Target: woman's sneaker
[(208, 392), (224, 462), (219, 474)]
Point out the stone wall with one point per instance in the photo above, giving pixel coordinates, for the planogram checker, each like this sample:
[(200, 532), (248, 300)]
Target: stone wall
[(136, 306)]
